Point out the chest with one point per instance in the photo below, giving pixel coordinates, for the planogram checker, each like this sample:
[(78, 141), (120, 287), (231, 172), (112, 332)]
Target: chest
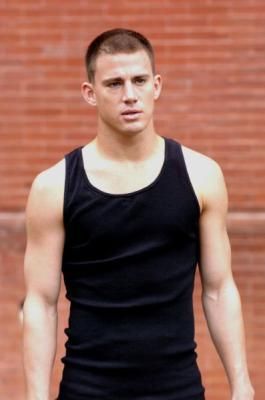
[(122, 180), (157, 214), (123, 177)]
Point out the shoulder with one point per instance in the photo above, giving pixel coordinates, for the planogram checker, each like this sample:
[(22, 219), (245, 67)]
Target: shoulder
[(46, 194), (206, 176), (204, 165), (50, 180)]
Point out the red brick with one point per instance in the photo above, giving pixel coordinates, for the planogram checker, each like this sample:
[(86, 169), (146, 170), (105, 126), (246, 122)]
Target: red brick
[(211, 57)]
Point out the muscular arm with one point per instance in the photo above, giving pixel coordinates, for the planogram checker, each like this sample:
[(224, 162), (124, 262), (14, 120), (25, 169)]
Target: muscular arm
[(42, 274), (220, 297)]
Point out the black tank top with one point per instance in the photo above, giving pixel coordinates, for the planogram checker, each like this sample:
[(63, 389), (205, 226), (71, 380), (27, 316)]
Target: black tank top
[(128, 265)]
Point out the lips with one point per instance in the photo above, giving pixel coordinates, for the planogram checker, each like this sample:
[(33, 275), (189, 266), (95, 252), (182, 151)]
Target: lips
[(131, 112)]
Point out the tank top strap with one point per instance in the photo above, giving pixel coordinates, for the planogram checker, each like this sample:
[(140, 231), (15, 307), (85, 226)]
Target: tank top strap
[(177, 167), (72, 176), (176, 161)]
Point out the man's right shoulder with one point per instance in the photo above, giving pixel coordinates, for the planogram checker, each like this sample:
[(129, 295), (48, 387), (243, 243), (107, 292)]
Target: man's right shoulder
[(47, 189), (51, 177)]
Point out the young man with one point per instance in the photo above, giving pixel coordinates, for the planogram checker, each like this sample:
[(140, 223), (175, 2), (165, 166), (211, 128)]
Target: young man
[(126, 218)]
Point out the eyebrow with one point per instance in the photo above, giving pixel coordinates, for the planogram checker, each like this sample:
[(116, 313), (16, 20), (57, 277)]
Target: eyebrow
[(118, 78)]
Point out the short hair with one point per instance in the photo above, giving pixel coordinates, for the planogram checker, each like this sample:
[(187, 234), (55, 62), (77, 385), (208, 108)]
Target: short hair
[(116, 41)]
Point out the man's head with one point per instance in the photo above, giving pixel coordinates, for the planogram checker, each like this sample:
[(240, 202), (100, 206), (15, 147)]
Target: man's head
[(122, 83), (116, 41)]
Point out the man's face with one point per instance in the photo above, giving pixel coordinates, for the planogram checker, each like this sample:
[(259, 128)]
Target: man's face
[(124, 90)]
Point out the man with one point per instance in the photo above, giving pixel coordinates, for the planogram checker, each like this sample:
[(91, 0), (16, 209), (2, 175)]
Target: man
[(126, 219)]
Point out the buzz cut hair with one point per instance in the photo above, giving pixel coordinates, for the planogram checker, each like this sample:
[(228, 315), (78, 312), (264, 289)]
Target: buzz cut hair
[(116, 41)]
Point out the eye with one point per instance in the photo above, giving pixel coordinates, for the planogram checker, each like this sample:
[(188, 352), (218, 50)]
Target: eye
[(114, 85), (140, 80)]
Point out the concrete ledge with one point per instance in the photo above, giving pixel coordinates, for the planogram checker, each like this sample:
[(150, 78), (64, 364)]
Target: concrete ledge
[(246, 223), (12, 220), (12, 231)]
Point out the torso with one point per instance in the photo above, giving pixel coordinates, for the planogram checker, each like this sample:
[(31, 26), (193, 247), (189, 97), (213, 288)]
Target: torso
[(135, 256)]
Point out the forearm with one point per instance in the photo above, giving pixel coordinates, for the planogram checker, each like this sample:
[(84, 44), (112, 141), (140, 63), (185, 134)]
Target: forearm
[(224, 318), (39, 346)]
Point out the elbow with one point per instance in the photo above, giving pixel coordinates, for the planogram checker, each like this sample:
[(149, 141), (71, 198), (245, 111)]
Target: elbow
[(224, 293), (210, 295), (36, 307), (212, 291)]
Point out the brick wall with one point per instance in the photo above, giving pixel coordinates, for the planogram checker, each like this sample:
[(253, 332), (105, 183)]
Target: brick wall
[(211, 56)]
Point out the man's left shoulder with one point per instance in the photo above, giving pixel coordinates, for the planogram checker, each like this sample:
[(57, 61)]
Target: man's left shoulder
[(200, 164), (206, 177)]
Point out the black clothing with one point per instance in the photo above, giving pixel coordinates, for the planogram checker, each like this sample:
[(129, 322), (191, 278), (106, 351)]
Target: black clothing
[(128, 264)]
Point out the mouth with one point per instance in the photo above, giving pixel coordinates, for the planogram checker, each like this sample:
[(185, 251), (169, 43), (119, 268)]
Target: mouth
[(131, 114)]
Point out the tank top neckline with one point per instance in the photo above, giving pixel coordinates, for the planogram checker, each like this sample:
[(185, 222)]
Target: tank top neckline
[(128, 194)]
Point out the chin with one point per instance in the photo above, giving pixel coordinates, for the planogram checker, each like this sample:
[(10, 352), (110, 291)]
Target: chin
[(134, 128), (132, 131)]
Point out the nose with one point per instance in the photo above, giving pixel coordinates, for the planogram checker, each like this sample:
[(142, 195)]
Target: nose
[(129, 94)]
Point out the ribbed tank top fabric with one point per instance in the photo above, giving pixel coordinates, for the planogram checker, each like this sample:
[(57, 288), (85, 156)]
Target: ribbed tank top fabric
[(128, 265)]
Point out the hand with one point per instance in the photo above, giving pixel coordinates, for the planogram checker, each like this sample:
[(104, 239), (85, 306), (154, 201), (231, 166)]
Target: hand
[(244, 393)]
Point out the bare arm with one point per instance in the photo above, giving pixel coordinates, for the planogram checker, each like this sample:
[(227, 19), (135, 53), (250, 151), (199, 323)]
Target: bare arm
[(220, 296), (42, 273)]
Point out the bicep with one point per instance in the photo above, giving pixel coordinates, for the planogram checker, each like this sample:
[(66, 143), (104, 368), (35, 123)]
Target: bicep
[(45, 240), (215, 252)]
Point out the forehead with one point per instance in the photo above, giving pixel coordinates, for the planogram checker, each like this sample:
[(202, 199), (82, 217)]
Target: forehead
[(122, 64)]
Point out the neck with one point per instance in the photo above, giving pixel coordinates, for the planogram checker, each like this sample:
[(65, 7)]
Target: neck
[(122, 146)]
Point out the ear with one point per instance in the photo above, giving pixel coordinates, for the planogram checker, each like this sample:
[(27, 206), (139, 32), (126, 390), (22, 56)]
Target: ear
[(157, 86), (88, 93)]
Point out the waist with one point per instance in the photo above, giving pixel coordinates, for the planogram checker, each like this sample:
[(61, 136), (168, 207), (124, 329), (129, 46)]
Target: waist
[(131, 338), (161, 383)]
